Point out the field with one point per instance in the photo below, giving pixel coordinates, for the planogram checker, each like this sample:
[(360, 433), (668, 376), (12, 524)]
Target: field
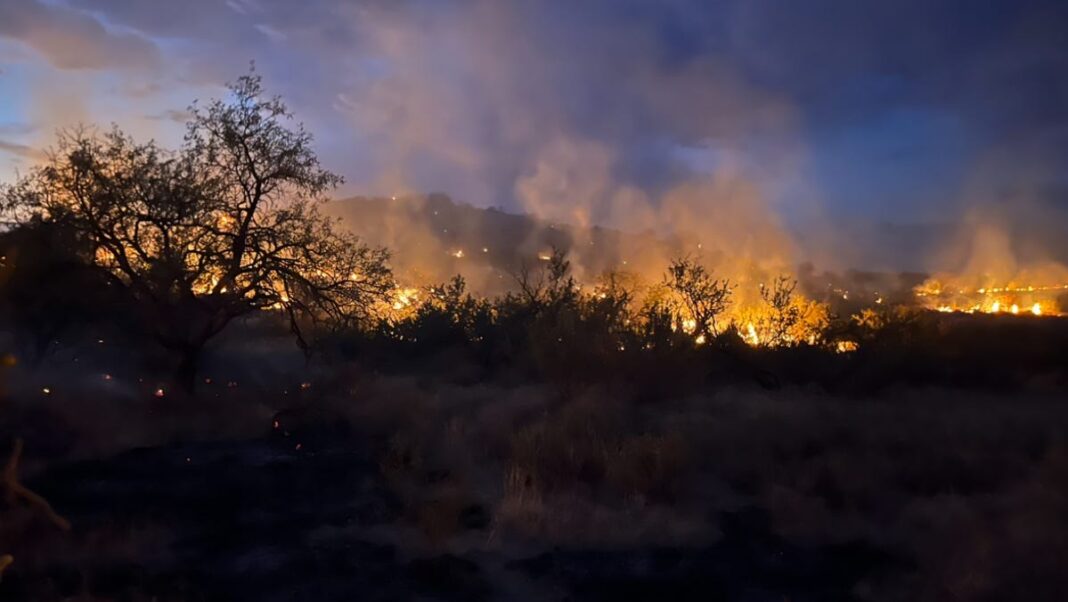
[(219, 384), (935, 471)]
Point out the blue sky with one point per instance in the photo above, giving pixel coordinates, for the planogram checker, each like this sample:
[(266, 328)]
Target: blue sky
[(897, 111)]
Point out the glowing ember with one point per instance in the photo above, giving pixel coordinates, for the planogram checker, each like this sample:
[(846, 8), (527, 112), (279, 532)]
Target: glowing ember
[(846, 346), (159, 392), (46, 391), (459, 253)]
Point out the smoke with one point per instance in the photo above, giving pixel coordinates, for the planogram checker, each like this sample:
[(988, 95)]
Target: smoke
[(1005, 244), (730, 125), (579, 118)]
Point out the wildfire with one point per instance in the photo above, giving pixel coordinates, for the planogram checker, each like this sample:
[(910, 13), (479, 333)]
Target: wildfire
[(404, 298), (1014, 299), (750, 335), (846, 346), (402, 303)]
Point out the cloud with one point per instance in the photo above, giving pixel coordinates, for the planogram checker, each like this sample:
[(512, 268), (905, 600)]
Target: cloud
[(71, 39), (20, 150), (172, 115)]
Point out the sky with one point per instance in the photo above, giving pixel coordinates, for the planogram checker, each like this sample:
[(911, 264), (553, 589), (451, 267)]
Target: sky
[(832, 112)]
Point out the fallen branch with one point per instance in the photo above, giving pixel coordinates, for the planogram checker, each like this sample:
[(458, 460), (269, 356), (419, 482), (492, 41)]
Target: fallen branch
[(17, 491)]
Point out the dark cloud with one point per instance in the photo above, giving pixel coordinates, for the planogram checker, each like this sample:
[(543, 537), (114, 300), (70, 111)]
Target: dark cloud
[(20, 150), (72, 39), (172, 115), (996, 64)]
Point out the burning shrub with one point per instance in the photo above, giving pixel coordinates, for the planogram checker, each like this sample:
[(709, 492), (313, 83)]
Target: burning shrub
[(702, 297), (785, 318)]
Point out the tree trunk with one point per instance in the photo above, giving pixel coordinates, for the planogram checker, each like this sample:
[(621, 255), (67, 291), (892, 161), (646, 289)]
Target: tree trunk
[(185, 375)]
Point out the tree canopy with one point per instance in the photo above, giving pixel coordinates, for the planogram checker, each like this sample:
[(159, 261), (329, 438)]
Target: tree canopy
[(225, 225)]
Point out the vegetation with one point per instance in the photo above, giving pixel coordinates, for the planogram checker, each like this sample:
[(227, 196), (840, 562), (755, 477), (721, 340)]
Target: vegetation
[(605, 436), (224, 226)]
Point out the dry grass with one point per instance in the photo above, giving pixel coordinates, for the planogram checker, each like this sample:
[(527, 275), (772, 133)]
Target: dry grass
[(970, 490)]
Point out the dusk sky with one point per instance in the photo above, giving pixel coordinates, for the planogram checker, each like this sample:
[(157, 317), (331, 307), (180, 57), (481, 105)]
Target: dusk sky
[(904, 111)]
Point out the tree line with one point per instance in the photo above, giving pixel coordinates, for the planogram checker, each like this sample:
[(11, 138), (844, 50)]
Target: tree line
[(176, 244)]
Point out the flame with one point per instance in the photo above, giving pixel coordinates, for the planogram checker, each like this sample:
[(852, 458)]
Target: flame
[(750, 336), (404, 298), (846, 346), (1013, 298)]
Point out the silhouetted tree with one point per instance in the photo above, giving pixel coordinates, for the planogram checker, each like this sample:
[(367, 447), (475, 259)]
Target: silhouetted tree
[(784, 313), (224, 226), (703, 297), (548, 286)]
